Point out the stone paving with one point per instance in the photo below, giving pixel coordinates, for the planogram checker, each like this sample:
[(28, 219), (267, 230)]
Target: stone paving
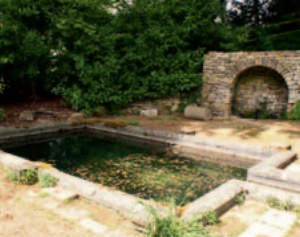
[(80, 216), (294, 167), (273, 223)]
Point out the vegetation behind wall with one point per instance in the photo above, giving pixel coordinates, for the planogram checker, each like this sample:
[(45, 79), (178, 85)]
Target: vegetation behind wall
[(90, 57)]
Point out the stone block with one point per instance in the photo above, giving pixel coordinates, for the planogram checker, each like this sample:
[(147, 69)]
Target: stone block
[(27, 115), (61, 194), (196, 112), (279, 219), (94, 226), (174, 107), (219, 200), (16, 163), (263, 230), (280, 146), (75, 117), (149, 112)]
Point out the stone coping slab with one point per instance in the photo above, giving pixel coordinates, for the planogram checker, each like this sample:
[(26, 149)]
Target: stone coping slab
[(219, 200), (269, 171), (12, 162), (211, 145), (128, 205)]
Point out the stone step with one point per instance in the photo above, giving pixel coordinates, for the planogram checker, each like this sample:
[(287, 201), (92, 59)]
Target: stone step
[(94, 226), (273, 223), (61, 194)]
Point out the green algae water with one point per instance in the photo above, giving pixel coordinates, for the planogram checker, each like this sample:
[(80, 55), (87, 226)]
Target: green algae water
[(131, 169)]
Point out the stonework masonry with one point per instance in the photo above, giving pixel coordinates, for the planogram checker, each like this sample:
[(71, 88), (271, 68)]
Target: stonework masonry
[(244, 82)]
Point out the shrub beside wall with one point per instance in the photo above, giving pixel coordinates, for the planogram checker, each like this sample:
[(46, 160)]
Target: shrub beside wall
[(90, 57)]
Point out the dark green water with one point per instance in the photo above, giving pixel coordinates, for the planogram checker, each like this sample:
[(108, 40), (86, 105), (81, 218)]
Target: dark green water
[(130, 169)]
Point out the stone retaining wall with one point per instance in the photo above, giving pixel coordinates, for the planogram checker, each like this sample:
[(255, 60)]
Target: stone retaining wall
[(247, 81)]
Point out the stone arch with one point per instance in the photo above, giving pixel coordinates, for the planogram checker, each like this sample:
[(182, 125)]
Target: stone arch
[(266, 62), (259, 88), (222, 70)]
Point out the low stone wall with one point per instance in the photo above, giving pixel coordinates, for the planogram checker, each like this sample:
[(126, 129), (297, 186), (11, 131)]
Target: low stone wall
[(245, 80), (161, 106)]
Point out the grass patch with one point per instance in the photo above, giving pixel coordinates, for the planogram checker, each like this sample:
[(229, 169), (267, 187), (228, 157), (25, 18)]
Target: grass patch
[(240, 198), (47, 181), (173, 226), (131, 123), (44, 194), (285, 205), (26, 177)]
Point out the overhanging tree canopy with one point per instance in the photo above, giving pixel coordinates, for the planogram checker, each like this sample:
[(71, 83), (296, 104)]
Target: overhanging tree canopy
[(91, 57)]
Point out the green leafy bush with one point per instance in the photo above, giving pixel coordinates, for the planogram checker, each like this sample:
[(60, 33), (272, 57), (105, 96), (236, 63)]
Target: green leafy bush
[(90, 57), (294, 114)]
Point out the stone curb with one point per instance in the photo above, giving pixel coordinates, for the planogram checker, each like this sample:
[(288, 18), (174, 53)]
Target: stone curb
[(268, 172), (212, 145), (130, 206), (15, 163), (219, 200)]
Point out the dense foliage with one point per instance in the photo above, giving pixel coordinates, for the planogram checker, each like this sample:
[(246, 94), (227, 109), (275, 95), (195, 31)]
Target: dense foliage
[(91, 57), (273, 24), (294, 114)]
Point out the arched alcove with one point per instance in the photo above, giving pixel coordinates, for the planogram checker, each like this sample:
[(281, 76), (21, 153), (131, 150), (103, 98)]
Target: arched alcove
[(259, 88)]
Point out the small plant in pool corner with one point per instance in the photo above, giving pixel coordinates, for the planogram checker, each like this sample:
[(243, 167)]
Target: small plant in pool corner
[(240, 198), (27, 177), (174, 226), (209, 218), (46, 180)]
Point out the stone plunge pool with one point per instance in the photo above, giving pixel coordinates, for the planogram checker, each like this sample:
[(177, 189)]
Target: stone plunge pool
[(148, 172)]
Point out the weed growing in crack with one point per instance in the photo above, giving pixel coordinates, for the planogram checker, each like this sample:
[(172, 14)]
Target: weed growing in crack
[(47, 181), (240, 198), (172, 225), (285, 205), (27, 177)]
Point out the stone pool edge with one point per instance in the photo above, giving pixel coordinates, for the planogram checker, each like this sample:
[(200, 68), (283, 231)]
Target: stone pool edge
[(268, 170)]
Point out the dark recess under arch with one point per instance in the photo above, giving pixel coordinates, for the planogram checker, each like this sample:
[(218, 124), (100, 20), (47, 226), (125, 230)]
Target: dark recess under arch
[(258, 90)]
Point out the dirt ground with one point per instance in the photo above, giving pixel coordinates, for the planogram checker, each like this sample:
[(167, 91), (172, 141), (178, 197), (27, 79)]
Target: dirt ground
[(263, 132), (271, 133), (26, 215), (22, 217)]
